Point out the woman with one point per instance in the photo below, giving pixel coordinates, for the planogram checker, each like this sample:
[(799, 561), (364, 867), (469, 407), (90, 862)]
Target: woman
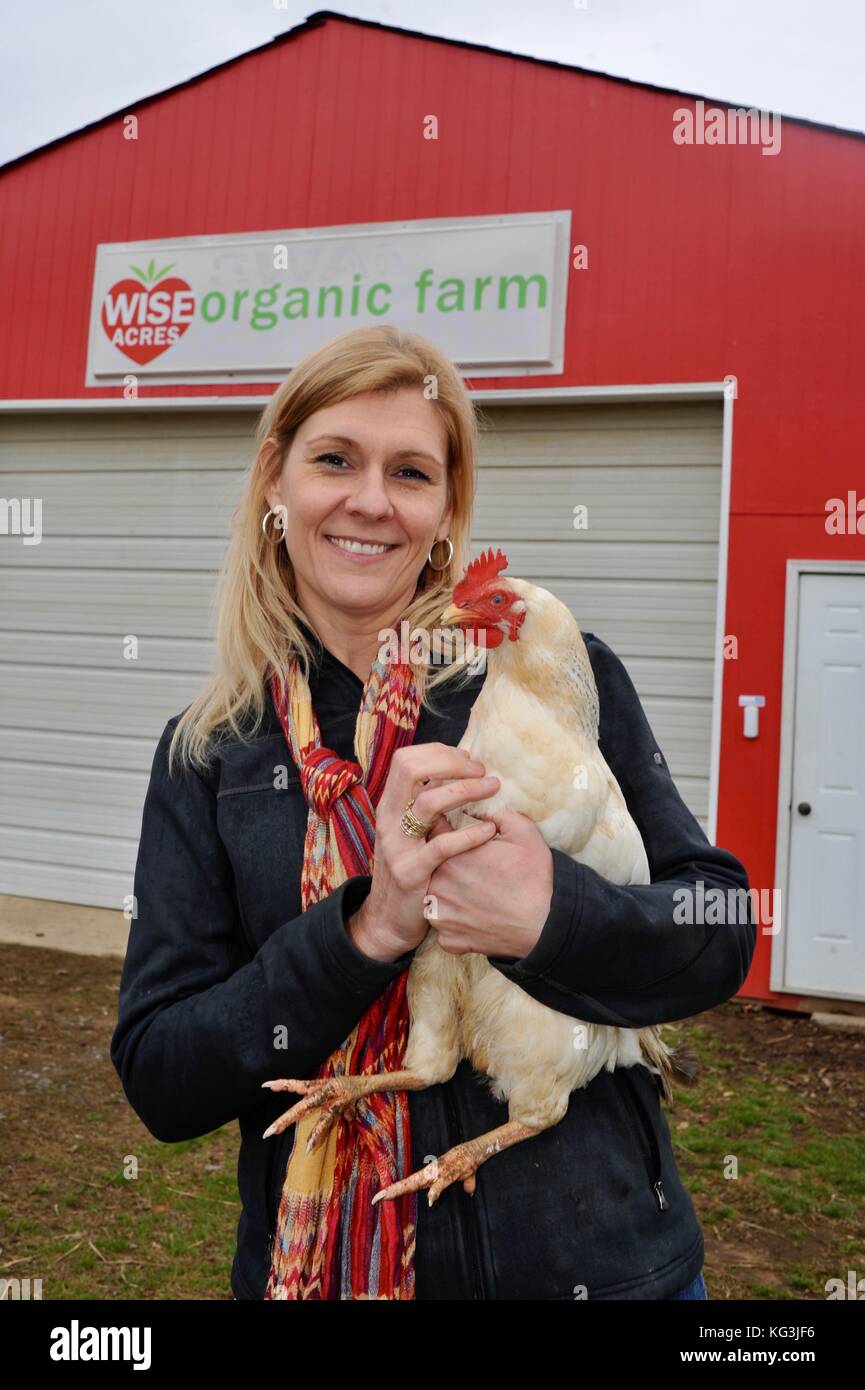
[(270, 943)]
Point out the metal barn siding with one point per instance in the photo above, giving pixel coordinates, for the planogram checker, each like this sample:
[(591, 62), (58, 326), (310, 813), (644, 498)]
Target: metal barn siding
[(703, 262)]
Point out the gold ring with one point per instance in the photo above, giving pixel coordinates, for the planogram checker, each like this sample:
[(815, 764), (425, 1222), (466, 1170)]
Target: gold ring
[(410, 825)]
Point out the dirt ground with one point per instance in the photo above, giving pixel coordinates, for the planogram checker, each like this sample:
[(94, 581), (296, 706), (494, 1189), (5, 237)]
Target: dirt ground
[(97, 1208), (796, 1119)]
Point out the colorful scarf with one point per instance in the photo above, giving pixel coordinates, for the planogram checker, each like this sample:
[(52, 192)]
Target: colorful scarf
[(330, 1241)]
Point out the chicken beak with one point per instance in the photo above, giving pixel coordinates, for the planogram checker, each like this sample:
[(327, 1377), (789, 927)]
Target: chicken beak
[(454, 615)]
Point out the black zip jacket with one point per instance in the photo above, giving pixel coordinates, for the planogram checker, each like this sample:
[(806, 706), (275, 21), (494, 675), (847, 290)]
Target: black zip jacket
[(220, 956)]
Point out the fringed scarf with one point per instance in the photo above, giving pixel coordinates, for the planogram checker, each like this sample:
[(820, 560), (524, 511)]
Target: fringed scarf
[(330, 1241)]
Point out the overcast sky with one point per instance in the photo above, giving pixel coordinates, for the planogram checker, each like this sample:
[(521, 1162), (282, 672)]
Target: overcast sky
[(66, 62)]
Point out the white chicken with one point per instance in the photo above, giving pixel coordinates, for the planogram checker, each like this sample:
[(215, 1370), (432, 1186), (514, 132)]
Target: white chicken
[(534, 725)]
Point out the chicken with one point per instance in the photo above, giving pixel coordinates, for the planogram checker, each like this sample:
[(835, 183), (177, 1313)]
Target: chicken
[(534, 725)]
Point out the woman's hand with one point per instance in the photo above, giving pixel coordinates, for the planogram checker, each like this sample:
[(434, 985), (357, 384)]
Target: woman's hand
[(391, 920), (496, 898)]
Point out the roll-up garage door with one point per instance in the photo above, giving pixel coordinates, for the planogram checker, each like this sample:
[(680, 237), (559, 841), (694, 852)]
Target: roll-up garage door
[(135, 517), (642, 575)]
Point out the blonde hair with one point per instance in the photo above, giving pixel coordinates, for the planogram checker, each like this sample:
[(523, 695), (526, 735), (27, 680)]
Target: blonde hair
[(257, 626)]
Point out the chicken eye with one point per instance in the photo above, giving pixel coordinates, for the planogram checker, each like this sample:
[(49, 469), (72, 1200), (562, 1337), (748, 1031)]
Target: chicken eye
[(497, 598)]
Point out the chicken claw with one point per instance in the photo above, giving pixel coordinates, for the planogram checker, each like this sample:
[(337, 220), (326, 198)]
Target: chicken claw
[(335, 1094), (459, 1164)]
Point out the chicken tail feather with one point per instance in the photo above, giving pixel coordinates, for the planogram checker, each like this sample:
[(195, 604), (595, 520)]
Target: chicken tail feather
[(668, 1065), (676, 1069)]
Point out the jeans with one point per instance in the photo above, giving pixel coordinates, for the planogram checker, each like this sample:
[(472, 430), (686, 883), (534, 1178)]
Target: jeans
[(696, 1289)]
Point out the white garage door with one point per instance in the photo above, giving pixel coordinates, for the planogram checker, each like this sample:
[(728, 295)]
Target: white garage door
[(135, 514), (643, 574)]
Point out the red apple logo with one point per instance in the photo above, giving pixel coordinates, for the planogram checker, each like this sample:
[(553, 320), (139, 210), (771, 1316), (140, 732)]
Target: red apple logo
[(144, 317)]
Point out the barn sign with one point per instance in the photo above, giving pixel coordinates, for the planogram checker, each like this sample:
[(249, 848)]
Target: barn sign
[(490, 291)]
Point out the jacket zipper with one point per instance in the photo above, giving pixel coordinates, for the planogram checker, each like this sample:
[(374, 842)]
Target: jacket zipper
[(454, 1139), (653, 1156)]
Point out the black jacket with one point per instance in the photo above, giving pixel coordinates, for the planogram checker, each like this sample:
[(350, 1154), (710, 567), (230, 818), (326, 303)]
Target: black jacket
[(220, 955)]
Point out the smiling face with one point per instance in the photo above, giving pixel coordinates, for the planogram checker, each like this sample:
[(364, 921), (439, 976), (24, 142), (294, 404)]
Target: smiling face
[(364, 485)]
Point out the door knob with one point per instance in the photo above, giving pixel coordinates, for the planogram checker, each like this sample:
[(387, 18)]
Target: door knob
[(804, 808)]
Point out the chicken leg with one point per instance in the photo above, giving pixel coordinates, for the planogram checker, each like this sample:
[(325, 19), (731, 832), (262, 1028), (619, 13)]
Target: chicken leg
[(334, 1095), (459, 1163), (337, 1094)]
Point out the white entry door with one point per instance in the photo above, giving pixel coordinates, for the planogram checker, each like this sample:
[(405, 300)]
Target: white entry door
[(825, 949)]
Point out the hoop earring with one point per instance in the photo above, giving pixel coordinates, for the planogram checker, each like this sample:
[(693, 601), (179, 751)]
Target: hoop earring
[(279, 513), (449, 542)]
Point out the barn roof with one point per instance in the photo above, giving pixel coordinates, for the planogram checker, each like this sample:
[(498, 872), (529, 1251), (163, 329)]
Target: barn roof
[(320, 17)]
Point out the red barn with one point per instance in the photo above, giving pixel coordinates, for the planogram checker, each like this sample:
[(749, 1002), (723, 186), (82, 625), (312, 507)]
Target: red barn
[(659, 301)]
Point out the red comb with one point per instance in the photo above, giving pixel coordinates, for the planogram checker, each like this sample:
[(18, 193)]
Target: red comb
[(479, 572)]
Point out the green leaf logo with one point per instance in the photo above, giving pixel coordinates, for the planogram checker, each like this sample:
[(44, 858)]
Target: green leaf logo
[(151, 273)]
